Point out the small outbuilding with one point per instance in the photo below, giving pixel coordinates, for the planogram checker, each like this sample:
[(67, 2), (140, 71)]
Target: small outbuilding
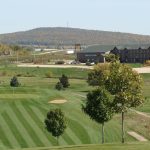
[(126, 53)]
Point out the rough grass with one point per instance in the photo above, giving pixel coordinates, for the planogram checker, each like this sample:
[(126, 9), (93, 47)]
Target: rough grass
[(42, 72)]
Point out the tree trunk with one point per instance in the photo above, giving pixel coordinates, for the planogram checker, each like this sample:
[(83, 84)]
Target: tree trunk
[(13, 90), (57, 140), (103, 139), (122, 126)]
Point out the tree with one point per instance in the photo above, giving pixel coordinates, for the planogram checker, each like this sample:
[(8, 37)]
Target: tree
[(98, 107), (14, 82), (55, 123), (64, 81), (126, 86), (59, 86), (98, 75), (111, 57)]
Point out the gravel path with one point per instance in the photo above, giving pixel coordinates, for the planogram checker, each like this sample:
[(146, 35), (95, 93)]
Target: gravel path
[(55, 66), (141, 113), (137, 136), (142, 69), (139, 70)]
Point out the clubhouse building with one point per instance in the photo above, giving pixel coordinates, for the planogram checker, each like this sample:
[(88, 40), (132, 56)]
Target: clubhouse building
[(127, 54)]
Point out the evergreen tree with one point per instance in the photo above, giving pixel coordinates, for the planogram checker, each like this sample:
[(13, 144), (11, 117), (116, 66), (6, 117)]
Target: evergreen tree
[(14, 82), (59, 86), (64, 81)]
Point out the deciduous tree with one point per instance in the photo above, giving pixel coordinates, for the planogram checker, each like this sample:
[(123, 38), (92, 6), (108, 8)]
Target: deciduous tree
[(97, 106), (126, 86), (55, 123), (98, 75)]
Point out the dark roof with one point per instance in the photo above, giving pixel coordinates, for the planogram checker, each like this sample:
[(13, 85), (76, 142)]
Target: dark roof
[(82, 52), (98, 48), (106, 48)]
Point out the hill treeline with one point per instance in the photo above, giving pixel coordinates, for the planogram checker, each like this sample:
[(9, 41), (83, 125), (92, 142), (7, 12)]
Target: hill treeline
[(70, 36)]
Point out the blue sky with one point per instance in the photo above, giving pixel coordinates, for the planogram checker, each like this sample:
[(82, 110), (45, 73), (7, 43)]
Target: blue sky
[(109, 15)]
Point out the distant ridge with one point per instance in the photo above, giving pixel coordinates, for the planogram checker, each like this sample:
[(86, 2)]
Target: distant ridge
[(69, 36)]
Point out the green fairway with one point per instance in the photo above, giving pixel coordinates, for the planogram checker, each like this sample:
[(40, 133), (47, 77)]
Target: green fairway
[(22, 115), (23, 110)]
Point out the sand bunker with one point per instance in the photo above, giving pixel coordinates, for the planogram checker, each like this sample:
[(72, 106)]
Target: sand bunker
[(57, 101)]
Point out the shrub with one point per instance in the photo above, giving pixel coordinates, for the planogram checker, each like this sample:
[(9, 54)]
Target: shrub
[(60, 62), (59, 86), (147, 63), (19, 75), (48, 74)]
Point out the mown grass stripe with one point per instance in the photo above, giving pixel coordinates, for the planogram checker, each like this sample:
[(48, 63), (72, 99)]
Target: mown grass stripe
[(80, 132), (38, 131), (27, 126), (65, 138), (4, 139), (73, 136), (68, 136), (10, 136), (36, 116), (92, 129), (14, 129), (21, 128)]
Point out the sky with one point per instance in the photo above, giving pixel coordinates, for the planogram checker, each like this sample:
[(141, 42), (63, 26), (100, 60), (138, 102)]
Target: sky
[(130, 16)]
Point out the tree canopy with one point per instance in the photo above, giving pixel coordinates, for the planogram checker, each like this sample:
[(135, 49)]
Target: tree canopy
[(111, 58), (98, 75), (124, 84), (98, 107), (55, 122)]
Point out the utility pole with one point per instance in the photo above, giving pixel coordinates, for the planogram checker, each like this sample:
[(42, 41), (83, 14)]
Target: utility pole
[(17, 57)]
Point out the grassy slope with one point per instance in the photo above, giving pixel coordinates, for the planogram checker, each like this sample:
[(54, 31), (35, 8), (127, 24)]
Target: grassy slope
[(145, 107), (22, 114)]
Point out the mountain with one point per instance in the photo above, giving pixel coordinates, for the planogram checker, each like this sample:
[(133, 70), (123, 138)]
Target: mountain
[(70, 36)]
